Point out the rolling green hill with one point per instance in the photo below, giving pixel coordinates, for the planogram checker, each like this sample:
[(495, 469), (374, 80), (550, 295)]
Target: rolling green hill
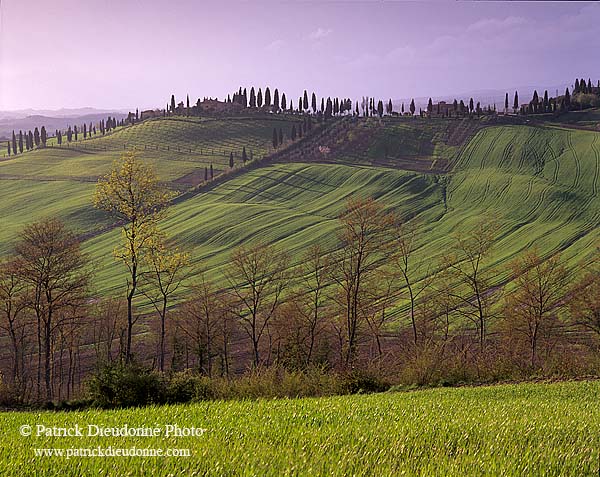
[(540, 183)]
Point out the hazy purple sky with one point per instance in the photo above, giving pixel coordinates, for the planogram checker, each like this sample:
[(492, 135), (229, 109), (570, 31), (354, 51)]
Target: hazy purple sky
[(128, 53)]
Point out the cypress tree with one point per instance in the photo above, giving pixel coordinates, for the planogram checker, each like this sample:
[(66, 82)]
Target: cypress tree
[(576, 89), (506, 103), (313, 101), (75, 131), (44, 136), (8, 144), (567, 100), (275, 138), (259, 98), (412, 106), (291, 105), (14, 143), (322, 105), (283, 102), (328, 109), (252, 98), (545, 101), (471, 107), (187, 106), (231, 160), (212, 176), (516, 102), (276, 100), (305, 106), (172, 104), (205, 174), (267, 97), (20, 141), (390, 107), (244, 156), (84, 130), (380, 108)]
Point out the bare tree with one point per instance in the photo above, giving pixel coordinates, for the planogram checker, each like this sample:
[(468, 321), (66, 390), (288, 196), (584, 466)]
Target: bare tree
[(364, 226), (402, 256), (108, 329), (50, 261), (13, 302), (538, 294), (311, 304), (466, 264), (584, 302), (257, 276), (199, 320), (168, 268)]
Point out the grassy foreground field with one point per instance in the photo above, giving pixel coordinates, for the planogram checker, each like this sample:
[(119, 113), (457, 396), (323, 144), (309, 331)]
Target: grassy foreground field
[(509, 430)]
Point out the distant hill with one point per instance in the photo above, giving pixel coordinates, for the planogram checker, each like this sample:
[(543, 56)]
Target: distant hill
[(9, 124), (57, 113)]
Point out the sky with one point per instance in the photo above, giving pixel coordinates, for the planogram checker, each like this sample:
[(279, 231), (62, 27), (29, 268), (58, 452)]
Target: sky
[(136, 53)]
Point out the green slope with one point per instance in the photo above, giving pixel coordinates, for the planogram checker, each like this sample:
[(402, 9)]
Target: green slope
[(175, 146), (540, 183), (292, 205)]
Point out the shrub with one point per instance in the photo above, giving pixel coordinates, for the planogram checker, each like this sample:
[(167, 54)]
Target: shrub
[(185, 387), (126, 386), (364, 382), (9, 396)]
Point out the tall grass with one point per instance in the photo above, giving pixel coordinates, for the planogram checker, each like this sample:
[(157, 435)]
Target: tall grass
[(509, 430)]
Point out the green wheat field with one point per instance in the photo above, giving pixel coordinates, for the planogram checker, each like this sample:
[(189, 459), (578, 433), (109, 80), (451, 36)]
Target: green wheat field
[(509, 430)]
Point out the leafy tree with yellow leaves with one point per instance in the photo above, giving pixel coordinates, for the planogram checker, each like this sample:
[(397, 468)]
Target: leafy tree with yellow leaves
[(132, 193)]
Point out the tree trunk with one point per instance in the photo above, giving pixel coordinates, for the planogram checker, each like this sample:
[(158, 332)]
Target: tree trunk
[(130, 295), (162, 335)]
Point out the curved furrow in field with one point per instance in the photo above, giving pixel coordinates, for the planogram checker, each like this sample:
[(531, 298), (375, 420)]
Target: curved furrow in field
[(500, 194), (530, 183), (464, 160), (597, 169), (506, 153), (486, 190), (534, 211), (577, 162), (474, 146), (526, 149), (556, 165), (498, 132)]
